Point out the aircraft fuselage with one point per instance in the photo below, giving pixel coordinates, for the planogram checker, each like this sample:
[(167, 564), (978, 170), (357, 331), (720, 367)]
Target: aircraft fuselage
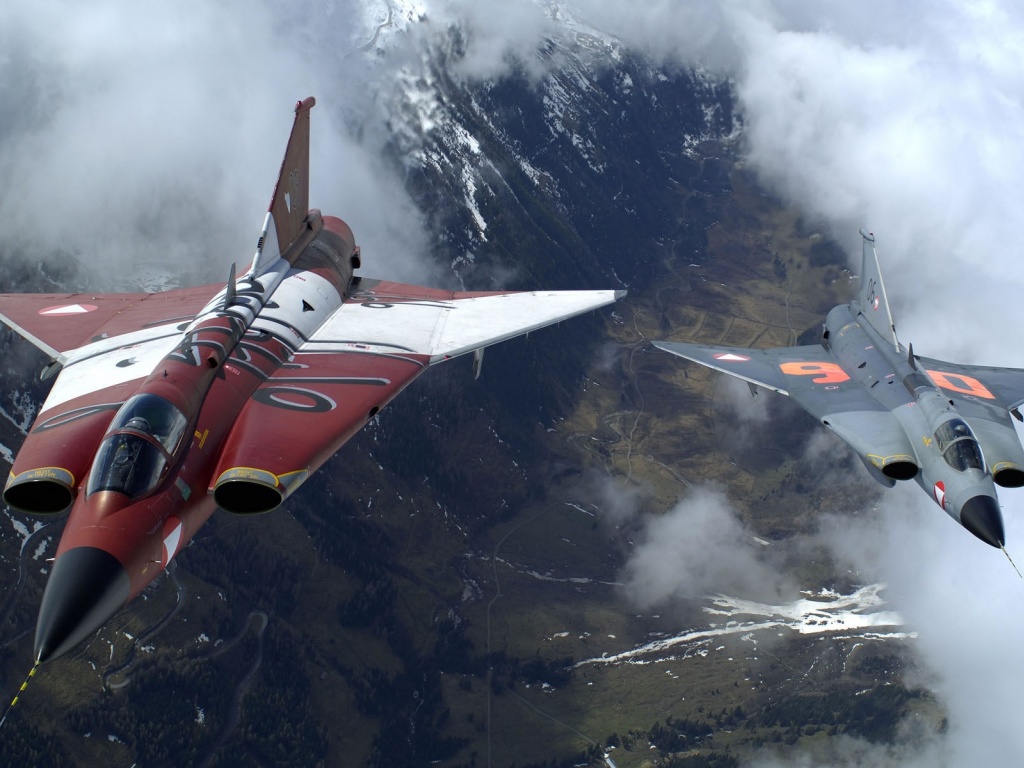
[(905, 417), (181, 446), (939, 451), (170, 405)]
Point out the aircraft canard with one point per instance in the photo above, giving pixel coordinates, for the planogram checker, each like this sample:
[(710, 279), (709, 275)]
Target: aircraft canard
[(945, 425), (168, 406)]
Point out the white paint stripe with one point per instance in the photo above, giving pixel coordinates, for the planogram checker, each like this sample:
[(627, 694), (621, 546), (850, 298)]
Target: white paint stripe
[(732, 358), (171, 542), (68, 309)]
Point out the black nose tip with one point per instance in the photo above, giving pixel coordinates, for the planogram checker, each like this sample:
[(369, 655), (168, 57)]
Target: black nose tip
[(980, 515), (87, 587)]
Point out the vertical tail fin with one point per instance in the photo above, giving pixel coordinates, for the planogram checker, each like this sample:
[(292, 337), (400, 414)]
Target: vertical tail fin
[(874, 305), (290, 203)]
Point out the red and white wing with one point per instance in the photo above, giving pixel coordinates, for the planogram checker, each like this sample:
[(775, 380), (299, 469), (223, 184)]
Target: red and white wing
[(59, 322), (106, 344), (444, 324), (363, 355), (102, 341)]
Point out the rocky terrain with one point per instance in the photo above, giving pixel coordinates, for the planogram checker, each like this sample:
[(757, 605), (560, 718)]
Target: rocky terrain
[(474, 579)]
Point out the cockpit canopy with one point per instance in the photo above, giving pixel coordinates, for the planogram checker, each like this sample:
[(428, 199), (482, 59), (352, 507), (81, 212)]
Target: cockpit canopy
[(958, 445), (140, 443)]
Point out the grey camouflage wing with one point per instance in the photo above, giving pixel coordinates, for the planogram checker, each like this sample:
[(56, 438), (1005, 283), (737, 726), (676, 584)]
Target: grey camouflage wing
[(977, 385), (808, 374)]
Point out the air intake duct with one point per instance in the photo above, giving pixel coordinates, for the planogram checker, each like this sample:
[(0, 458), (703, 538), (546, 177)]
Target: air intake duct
[(249, 491), (43, 491)]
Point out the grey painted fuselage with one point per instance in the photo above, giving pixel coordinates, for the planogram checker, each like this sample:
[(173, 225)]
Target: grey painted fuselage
[(919, 433), (945, 425)]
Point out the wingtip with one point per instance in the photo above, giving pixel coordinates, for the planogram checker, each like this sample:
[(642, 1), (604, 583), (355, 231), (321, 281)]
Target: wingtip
[(869, 236), (307, 103), (620, 295)]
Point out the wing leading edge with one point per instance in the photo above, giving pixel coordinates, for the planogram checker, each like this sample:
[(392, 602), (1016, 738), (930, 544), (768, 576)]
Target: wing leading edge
[(1000, 387), (364, 354), (808, 374), (58, 323), (756, 366), (396, 318)]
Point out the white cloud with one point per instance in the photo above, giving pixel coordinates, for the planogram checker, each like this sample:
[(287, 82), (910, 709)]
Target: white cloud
[(155, 132), (959, 595), (498, 35), (146, 130), (618, 502), (909, 119), (748, 408), (915, 133), (698, 548)]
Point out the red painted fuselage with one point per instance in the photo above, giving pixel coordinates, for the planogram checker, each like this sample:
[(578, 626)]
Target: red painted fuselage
[(171, 405), (238, 379)]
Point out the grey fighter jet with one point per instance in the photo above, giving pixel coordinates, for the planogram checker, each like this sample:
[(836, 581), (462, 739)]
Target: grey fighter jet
[(907, 417)]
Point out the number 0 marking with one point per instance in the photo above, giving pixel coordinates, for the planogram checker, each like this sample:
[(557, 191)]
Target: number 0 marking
[(958, 382), (294, 399)]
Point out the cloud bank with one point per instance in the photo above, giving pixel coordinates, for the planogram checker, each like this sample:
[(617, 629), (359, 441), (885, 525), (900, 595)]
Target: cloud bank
[(698, 548), (155, 133), (131, 132), (908, 119)]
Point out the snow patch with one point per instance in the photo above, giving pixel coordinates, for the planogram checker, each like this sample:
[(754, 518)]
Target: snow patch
[(857, 615)]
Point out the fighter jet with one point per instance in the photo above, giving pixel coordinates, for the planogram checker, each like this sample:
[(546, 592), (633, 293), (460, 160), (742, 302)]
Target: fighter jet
[(171, 405), (907, 417)]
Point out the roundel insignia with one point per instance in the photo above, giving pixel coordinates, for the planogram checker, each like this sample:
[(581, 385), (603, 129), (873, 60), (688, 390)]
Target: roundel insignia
[(730, 357), (172, 538), (940, 494), (61, 310)]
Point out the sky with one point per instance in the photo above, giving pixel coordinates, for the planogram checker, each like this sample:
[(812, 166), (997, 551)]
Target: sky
[(153, 132)]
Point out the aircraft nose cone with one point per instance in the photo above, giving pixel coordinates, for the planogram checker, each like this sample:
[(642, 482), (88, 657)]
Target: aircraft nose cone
[(86, 587), (980, 515)]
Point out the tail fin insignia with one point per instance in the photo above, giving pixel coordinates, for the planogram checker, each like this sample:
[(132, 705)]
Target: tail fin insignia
[(290, 203), (874, 305)]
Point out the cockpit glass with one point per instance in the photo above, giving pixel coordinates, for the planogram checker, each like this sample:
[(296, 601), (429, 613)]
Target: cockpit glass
[(151, 415), (127, 463), (958, 446), (140, 442)]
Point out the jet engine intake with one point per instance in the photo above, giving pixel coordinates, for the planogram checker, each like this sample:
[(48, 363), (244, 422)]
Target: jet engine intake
[(1002, 450), (55, 456), (876, 473), (42, 491), (879, 441), (1008, 475), (248, 491), (899, 467)]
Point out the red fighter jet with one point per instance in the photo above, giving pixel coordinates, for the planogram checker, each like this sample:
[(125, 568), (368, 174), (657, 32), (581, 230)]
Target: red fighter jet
[(171, 405)]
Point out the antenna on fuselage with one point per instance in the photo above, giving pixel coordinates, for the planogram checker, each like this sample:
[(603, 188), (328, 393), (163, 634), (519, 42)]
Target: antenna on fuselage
[(229, 290), (1011, 560)]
